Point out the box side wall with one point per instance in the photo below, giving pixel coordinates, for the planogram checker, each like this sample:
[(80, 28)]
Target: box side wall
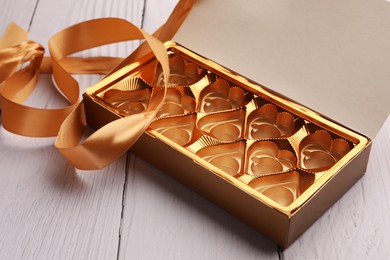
[(264, 219), (328, 195), (97, 115)]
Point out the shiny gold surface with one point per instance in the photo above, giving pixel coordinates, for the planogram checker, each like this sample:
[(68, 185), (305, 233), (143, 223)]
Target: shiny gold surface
[(267, 122), (178, 129), (182, 72), (269, 147), (226, 126), (281, 188), (319, 152), (266, 157), (219, 96), (227, 157), (176, 103)]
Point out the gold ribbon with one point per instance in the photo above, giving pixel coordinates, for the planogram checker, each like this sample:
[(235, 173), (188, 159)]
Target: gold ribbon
[(68, 123)]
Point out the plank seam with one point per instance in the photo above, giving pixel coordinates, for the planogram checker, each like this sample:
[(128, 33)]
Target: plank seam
[(123, 204), (143, 14), (280, 253), (32, 15)]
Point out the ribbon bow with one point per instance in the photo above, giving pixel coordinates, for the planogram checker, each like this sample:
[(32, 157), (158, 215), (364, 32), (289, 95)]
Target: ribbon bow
[(68, 123)]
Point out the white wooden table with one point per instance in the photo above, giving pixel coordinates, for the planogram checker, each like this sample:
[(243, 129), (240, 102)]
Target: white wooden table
[(130, 210)]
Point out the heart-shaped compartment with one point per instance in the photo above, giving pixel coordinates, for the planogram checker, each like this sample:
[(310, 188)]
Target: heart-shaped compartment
[(128, 96), (281, 188), (227, 157), (182, 72), (219, 96), (226, 126), (267, 122), (178, 129), (175, 103), (266, 157), (128, 102), (319, 152)]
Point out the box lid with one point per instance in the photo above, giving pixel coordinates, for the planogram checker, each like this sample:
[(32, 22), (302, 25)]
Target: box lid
[(331, 56)]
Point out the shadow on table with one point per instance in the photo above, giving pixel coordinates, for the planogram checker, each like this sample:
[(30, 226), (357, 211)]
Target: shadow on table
[(199, 206)]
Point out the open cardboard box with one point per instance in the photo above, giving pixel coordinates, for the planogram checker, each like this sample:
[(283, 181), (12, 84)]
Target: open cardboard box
[(323, 64)]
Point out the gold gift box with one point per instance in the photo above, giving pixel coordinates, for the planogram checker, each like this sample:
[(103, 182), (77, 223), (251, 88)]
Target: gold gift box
[(262, 157), (268, 160)]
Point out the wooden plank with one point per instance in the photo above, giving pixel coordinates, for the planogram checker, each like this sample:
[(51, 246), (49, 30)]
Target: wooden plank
[(47, 209), (156, 13), (52, 17), (357, 226), (164, 220), (19, 12)]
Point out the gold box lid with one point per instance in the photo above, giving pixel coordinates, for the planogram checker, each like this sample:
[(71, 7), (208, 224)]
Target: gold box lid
[(331, 56)]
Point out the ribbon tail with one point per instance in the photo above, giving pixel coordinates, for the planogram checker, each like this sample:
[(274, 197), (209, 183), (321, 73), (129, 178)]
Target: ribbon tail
[(103, 146)]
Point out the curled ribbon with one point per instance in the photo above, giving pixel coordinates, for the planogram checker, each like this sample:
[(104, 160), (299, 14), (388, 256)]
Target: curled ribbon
[(68, 123)]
